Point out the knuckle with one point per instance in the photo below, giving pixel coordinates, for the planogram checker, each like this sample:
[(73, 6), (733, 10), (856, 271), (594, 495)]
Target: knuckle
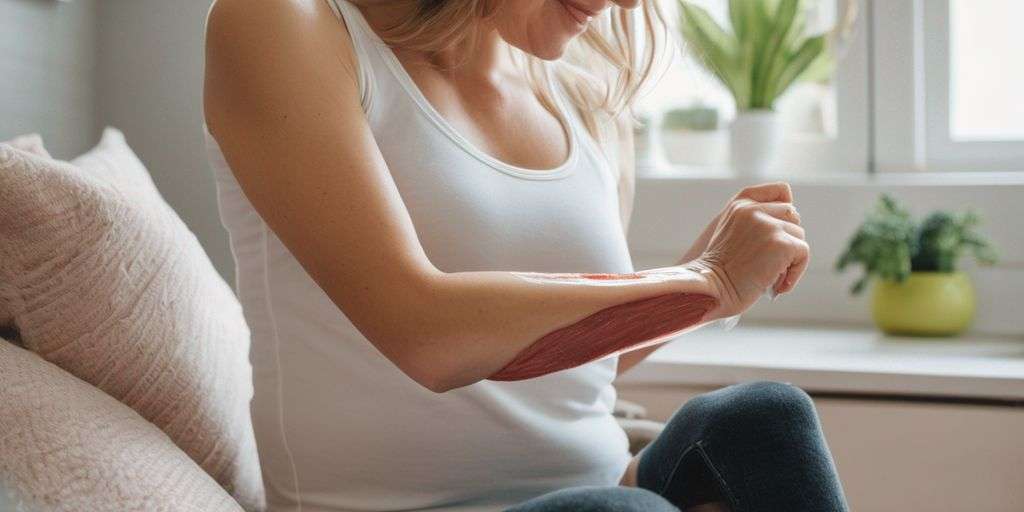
[(779, 240), (801, 248), (740, 208)]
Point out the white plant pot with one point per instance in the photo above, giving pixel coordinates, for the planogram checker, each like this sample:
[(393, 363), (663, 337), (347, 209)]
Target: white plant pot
[(755, 141), (703, 148)]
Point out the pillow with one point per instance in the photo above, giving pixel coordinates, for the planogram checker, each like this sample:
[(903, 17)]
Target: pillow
[(32, 143), (100, 277), (66, 446)]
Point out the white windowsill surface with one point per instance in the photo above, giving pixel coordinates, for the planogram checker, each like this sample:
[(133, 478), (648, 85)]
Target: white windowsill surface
[(857, 361), (897, 179)]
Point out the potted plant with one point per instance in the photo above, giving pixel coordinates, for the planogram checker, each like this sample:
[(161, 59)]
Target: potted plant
[(765, 51), (691, 137), (919, 289)]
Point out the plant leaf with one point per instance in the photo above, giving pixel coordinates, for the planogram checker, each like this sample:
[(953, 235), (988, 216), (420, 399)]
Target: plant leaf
[(716, 47), (773, 53), (743, 15), (798, 62), (740, 15)]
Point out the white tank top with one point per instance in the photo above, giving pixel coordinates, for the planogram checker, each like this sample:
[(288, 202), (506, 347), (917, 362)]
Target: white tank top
[(339, 427)]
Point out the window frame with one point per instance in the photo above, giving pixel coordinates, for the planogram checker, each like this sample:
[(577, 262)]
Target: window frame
[(912, 92)]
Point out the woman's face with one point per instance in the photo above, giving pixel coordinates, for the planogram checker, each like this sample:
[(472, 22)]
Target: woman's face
[(544, 28)]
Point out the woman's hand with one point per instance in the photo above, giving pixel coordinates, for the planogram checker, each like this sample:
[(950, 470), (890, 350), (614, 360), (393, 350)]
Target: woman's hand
[(757, 244), (702, 241)]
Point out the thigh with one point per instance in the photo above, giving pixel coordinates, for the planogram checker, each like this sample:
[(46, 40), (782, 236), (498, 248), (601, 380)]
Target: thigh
[(597, 499)]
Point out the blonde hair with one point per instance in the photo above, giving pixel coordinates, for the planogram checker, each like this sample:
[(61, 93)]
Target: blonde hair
[(603, 70)]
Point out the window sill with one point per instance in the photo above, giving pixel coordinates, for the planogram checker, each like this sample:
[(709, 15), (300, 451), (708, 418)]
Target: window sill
[(856, 361), (881, 179)]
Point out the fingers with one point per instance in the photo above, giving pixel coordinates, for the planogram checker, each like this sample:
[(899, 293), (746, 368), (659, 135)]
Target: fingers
[(781, 211), (785, 214), (794, 230), (768, 193), (801, 254)]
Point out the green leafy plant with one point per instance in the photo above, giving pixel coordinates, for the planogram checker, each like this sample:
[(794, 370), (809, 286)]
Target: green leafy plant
[(696, 118), (944, 238), (764, 52), (890, 244)]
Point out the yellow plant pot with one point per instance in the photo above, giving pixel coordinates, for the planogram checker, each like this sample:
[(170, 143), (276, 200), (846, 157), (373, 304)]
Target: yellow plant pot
[(926, 304)]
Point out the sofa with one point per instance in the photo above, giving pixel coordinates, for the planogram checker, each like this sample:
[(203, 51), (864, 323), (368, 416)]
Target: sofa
[(124, 374)]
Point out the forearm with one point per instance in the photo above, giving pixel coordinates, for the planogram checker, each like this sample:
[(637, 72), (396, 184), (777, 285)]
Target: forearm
[(630, 359), (513, 326)]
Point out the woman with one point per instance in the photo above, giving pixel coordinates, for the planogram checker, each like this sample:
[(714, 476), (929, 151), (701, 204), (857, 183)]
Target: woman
[(427, 207)]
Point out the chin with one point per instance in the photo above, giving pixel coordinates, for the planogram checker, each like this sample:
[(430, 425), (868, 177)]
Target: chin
[(553, 48), (551, 53)]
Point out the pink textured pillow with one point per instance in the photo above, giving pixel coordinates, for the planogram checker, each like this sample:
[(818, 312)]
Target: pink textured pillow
[(100, 277), (32, 143), (66, 446)]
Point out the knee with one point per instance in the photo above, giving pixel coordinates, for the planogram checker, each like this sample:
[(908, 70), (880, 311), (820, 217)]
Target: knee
[(763, 406)]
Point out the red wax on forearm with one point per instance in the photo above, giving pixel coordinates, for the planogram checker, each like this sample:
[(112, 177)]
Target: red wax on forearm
[(609, 331)]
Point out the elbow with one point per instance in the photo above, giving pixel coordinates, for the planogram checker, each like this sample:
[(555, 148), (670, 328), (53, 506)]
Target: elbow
[(432, 364), (432, 375), (440, 386), (420, 341)]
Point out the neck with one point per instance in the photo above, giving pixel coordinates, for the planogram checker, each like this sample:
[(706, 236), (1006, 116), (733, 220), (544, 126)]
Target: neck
[(482, 55)]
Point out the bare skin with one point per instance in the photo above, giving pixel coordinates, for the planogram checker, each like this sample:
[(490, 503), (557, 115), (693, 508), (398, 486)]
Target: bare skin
[(281, 92)]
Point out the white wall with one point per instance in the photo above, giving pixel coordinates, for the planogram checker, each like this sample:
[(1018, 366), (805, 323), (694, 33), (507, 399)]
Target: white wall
[(150, 83), (71, 68), (48, 72)]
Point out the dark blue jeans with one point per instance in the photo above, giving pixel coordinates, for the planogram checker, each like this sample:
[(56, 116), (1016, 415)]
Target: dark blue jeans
[(755, 447)]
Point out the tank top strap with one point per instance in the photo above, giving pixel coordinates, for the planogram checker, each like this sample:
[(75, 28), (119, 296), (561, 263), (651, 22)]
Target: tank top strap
[(362, 37)]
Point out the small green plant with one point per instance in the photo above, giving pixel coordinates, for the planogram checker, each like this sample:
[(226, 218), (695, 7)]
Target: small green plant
[(765, 52), (890, 244), (696, 118)]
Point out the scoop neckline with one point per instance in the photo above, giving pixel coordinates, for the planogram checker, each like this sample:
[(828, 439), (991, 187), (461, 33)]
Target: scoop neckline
[(409, 85)]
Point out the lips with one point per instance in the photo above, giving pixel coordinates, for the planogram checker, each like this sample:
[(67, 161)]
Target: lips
[(577, 12)]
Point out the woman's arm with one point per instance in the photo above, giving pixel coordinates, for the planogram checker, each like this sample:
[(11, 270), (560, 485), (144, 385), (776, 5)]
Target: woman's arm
[(627, 196), (282, 101)]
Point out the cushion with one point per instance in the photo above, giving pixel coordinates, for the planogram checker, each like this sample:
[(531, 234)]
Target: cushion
[(67, 446), (32, 143), (100, 277)]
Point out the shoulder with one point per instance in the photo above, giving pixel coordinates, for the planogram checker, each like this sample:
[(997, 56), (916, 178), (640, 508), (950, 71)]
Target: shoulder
[(243, 29), (261, 56), (236, 14)]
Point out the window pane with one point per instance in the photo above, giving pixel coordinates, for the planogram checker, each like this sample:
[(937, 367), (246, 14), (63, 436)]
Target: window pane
[(807, 111), (986, 70)]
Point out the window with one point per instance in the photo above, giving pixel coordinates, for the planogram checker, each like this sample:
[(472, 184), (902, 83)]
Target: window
[(822, 121), (922, 85), (973, 80), (985, 88)]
